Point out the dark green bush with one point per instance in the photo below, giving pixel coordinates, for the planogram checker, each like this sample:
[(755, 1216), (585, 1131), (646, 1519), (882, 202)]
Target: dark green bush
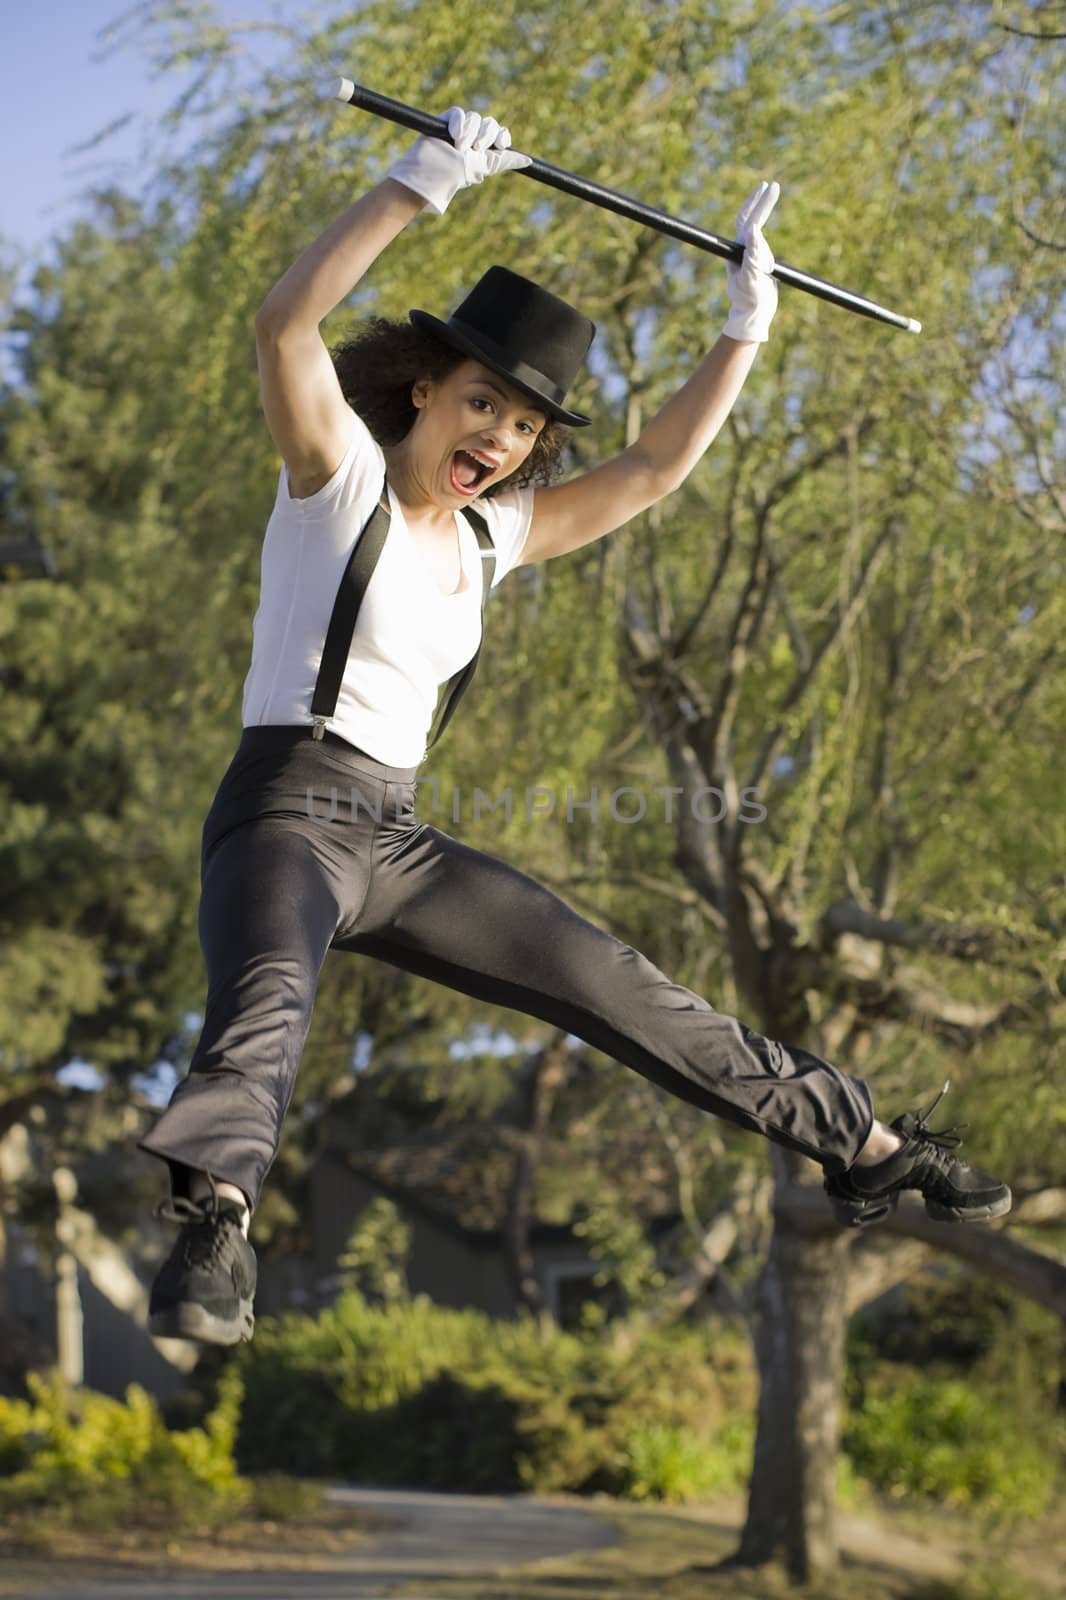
[(418, 1394)]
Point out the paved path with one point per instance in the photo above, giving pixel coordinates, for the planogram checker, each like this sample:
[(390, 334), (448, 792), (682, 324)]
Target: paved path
[(435, 1535)]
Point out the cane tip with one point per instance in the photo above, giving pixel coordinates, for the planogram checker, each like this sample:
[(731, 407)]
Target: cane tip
[(339, 89), (912, 326)]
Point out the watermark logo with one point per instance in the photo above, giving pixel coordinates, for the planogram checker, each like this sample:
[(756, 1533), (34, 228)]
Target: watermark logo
[(625, 805)]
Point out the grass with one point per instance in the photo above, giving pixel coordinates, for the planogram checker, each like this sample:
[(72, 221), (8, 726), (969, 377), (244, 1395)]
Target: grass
[(685, 1554)]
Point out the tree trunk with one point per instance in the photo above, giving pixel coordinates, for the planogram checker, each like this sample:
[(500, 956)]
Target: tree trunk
[(799, 1337), (70, 1325), (546, 1076)]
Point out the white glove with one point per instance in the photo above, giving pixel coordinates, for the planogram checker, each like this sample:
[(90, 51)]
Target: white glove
[(752, 292), (437, 170)]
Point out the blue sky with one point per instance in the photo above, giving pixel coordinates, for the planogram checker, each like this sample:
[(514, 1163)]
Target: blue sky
[(54, 96)]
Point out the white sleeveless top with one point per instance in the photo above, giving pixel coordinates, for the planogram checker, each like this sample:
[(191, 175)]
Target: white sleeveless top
[(409, 639)]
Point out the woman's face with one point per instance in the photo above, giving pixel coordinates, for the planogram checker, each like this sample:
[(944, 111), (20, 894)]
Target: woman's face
[(473, 429)]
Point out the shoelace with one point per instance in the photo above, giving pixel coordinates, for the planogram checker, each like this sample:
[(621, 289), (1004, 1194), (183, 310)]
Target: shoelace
[(205, 1241), (942, 1140)]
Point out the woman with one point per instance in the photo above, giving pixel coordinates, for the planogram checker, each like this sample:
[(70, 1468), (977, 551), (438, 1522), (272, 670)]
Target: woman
[(375, 521)]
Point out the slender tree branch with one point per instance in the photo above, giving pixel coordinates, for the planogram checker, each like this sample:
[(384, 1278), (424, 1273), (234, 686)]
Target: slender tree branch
[(804, 679), (1029, 33)]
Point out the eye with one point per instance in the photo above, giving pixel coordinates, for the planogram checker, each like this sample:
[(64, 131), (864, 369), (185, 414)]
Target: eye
[(480, 399)]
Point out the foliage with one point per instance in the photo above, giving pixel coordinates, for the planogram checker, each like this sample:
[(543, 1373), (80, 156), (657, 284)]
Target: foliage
[(954, 1392), (944, 1439), (418, 1394), (621, 1246), (375, 1256), (673, 1463), (83, 1455), (421, 1395)]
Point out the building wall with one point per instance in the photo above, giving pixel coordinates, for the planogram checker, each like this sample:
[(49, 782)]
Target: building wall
[(117, 1352), (450, 1269)]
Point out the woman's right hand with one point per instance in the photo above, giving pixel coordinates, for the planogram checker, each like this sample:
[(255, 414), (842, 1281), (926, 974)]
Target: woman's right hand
[(437, 170)]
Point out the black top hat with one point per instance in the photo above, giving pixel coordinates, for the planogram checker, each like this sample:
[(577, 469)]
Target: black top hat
[(527, 335)]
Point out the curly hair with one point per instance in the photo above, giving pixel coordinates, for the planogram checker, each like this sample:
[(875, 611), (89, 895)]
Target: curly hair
[(377, 368)]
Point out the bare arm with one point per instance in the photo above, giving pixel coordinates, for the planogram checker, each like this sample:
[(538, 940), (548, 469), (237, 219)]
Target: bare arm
[(329, 269), (569, 515), (681, 432), (308, 417)]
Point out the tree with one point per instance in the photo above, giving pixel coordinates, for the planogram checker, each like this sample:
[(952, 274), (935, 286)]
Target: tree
[(833, 610)]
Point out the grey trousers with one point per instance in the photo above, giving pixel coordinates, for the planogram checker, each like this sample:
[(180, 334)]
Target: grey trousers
[(312, 844)]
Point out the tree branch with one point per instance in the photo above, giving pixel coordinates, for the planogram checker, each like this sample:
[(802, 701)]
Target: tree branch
[(845, 617), (1029, 33), (964, 944), (983, 1246), (959, 1023)]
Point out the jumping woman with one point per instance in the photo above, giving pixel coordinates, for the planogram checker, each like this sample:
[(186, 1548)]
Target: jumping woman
[(418, 468)]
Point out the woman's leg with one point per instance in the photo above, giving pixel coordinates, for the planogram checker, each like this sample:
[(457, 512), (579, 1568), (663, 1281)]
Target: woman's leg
[(270, 903), (442, 909)]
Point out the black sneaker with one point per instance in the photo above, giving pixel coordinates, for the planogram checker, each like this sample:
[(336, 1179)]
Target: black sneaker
[(204, 1289), (953, 1191)]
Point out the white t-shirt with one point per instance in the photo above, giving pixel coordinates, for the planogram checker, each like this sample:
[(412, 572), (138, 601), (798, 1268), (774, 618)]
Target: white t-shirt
[(409, 638)]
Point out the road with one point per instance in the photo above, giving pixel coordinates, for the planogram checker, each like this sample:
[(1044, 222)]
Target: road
[(434, 1535)]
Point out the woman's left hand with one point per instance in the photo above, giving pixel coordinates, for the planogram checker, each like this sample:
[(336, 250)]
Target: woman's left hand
[(752, 291)]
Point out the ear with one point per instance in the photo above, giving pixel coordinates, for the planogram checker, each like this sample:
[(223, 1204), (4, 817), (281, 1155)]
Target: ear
[(420, 392)]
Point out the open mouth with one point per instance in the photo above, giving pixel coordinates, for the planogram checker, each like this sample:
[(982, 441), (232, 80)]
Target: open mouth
[(468, 473)]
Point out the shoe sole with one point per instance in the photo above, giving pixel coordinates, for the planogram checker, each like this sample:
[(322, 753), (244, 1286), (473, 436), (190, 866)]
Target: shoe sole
[(862, 1213), (189, 1321), (995, 1208)]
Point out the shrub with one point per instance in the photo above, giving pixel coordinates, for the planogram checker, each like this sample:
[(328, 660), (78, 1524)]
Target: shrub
[(85, 1456), (941, 1438), (673, 1463), (419, 1394)]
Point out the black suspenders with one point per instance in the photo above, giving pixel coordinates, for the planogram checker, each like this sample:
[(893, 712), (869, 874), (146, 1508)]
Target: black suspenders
[(350, 592)]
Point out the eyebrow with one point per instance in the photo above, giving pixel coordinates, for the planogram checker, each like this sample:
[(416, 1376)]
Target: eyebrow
[(487, 383)]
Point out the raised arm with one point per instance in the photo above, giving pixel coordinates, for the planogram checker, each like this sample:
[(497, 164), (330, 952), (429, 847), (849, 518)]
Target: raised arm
[(306, 412), (569, 515)]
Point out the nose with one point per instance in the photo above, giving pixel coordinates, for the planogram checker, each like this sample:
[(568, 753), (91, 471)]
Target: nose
[(498, 438), (496, 434)]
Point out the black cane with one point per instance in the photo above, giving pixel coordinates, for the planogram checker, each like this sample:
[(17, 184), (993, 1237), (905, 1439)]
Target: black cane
[(354, 94)]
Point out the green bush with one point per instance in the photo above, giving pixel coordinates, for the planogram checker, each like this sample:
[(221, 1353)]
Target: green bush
[(943, 1439), (667, 1462), (419, 1394), (84, 1457)]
